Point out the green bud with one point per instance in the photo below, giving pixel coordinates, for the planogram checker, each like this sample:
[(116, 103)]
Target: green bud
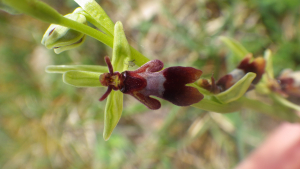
[(62, 38)]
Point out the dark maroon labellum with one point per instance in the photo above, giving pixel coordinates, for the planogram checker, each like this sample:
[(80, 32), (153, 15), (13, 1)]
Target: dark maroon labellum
[(151, 80), (226, 81)]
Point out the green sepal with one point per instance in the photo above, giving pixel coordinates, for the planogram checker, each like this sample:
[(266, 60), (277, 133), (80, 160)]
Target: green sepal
[(97, 16), (65, 68), (121, 49), (114, 103), (82, 78), (237, 90), (71, 46), (113, 111)]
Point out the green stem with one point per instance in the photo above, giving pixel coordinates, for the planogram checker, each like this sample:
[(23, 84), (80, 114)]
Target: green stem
[(276, 111), (210, 105), (97, 15), (107, 40)]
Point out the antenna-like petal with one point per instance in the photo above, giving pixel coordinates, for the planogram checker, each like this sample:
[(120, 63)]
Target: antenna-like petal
[(109, 88), (110, 68)]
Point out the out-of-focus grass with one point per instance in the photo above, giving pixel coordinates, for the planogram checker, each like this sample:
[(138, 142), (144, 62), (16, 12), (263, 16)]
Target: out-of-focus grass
[(47, 124)]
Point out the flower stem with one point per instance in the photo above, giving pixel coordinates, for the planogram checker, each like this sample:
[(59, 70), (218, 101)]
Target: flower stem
[(107, 40), (210, 105), (276, 111)]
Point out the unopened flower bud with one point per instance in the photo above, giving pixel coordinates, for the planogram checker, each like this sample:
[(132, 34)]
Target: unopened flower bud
[(62, 38), (289, 82)]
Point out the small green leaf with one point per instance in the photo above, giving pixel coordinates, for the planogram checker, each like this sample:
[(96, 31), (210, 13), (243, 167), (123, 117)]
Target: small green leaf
[(65, 68), (237, 90), (113, 111), (82, 78), (238, 50), (97, 16)]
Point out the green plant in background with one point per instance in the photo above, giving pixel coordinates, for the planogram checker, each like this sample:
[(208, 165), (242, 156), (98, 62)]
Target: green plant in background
[(69, 31)]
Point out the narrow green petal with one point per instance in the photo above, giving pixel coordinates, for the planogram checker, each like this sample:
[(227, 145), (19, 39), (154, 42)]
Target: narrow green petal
[(121, 49), (238, 50), (269, 64), (65, 68), (113, 111), (97, 15), (82, 78), (237, 90)]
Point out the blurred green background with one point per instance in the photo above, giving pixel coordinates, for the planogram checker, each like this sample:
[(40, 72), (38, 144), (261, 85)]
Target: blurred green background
[(45, 123)]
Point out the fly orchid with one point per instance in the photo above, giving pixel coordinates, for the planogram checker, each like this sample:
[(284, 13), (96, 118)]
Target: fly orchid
[(257, 66), (150, 79)]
